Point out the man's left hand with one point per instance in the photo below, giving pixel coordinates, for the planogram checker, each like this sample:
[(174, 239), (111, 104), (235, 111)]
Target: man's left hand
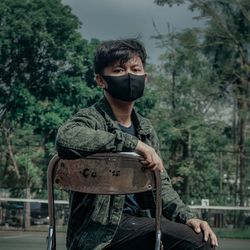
[(201, 225)]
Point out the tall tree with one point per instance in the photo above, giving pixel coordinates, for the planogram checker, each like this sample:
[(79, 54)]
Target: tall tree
[(44, 68), (225, 41), (185, 115)]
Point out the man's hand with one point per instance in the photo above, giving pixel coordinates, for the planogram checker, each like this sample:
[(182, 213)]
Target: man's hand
[(201, 225), (151, 158)]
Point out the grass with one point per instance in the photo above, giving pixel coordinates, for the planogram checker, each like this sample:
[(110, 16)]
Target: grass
[(233, 233)]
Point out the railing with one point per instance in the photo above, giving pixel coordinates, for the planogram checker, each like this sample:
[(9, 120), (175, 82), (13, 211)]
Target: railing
[(30, 214), (13, 214)]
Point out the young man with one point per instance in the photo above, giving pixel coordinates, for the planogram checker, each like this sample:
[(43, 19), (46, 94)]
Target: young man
[(118, 221)]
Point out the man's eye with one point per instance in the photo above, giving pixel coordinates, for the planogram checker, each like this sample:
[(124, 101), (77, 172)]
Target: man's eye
[(137, 69), (119, 70)]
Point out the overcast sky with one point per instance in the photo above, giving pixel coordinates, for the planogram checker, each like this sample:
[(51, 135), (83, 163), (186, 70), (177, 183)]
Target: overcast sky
[(111, 19)]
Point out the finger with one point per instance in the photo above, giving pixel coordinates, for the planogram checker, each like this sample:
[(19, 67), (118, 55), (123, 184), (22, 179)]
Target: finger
[(158, 167), (144, 162), (149, 159), (214, 240), (160, 164), (161, 167), (196, 227), (152, 165), (206, 229), (194, 224), (206, 234), (148, 164)]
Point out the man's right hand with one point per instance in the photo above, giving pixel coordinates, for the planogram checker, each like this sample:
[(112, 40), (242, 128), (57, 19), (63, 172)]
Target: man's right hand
[(151, 158)]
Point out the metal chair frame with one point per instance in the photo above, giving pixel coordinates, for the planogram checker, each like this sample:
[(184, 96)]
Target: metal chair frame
[(102, 173)]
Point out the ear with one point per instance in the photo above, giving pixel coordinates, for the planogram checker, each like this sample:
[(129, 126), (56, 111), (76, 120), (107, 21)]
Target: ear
[(100, 81), (146, 77)]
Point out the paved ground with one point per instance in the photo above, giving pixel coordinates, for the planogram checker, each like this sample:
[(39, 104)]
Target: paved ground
[(10, 240), (14, 240)]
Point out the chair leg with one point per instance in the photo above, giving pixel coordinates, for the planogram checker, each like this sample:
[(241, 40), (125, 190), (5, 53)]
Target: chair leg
[(50, 238), (158, 245), (51, 206)]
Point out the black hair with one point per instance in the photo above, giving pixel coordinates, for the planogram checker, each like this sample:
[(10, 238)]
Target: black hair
[(117, 50)]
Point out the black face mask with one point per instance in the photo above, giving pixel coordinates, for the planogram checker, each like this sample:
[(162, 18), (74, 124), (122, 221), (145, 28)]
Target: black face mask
[(127, 88)]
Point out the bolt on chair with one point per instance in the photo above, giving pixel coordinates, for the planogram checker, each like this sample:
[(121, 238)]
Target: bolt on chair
[(102, 173)]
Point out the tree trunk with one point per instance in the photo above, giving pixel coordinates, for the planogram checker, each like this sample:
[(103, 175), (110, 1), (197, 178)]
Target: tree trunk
[(242, 116), (10, 152), (27, 209)]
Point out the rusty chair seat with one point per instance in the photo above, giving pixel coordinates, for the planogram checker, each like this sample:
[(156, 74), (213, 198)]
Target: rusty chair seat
[(102, 173)]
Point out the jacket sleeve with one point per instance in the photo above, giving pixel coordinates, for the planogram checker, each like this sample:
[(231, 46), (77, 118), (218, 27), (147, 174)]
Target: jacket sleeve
[(85, 133), (173, 207)]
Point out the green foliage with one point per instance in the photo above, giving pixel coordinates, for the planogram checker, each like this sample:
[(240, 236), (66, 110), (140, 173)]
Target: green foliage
[(204, 105), (226, 44), (43, 58), (233, 233), (147, 103), (45, 76), (197, 99), (28, 160)]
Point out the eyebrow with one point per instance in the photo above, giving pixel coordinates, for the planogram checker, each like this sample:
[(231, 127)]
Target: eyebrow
[(138, 64), (122, 64)]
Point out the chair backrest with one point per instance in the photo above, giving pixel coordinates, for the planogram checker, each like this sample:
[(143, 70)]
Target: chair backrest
[(101, 173), (117, 173)]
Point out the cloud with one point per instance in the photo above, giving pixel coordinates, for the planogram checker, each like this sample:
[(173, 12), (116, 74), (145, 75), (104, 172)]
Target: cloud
[(111, 19)]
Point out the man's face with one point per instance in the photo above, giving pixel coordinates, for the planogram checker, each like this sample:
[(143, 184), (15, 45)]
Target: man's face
[(123, 81), (132, 66)]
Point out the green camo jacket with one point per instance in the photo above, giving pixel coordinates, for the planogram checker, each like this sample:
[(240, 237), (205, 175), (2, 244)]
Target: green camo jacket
[(94, 219)]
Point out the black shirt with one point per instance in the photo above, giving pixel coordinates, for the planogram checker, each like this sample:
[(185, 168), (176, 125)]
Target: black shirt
[(131, 206)]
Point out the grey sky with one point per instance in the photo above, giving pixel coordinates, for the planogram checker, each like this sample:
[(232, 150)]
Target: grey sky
[(111, 19)]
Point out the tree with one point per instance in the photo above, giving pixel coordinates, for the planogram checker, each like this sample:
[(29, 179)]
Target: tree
[(44, 68), (225, 42), (185, 116)]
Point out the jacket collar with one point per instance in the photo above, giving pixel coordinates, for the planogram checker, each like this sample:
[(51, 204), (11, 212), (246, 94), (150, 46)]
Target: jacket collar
[(141, 124)]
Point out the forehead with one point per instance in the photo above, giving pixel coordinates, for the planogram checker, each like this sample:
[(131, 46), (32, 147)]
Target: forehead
[(133, 61)]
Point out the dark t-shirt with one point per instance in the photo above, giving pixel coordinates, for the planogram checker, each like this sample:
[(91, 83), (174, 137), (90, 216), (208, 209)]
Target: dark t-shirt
[(131, 206)]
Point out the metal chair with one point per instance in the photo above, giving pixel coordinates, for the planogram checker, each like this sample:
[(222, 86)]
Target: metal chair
[(102, 173)]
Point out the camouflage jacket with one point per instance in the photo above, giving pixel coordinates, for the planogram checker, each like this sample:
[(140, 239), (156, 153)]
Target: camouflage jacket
[(94, 219)]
